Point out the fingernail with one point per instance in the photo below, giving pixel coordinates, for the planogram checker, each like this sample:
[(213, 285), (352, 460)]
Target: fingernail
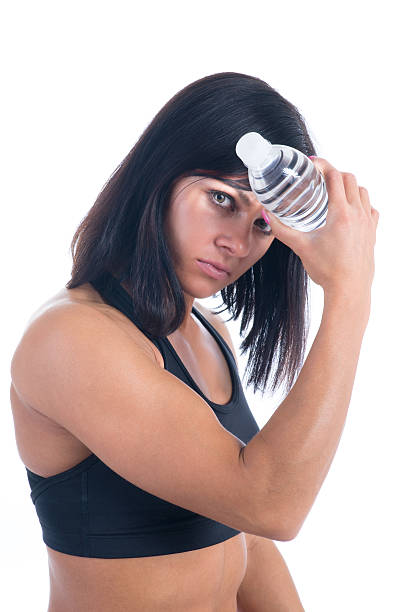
[(312, 156), (265, 217)]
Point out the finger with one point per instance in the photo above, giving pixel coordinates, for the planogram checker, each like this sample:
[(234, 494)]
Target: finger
[(375, 215), (322, 164), (365, 200), (351, 188), (293, 238), (333, 179)]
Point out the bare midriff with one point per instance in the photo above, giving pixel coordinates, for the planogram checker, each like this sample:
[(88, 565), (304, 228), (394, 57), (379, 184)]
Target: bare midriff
[(204, 580)]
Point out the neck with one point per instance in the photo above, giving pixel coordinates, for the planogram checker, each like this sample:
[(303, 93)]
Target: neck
[(188, 325)]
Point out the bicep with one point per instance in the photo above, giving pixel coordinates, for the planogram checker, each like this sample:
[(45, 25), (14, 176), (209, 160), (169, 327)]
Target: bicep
[(139, 419)]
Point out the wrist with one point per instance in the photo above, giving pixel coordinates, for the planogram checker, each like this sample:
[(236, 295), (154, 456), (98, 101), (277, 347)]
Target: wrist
[(354, 302)]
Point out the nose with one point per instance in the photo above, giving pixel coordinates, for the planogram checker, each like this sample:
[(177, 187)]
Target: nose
[(236, 238)]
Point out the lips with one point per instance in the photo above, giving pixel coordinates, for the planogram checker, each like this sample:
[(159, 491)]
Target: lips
[(211, 270), (216, 265)]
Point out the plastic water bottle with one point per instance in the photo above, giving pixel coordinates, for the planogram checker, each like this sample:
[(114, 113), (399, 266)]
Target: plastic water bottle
[(285, 181)]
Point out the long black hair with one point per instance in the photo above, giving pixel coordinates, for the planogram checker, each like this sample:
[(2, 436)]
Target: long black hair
[(122, 234)]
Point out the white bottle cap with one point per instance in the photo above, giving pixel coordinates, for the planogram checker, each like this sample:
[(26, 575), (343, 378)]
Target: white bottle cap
[(253, 149)]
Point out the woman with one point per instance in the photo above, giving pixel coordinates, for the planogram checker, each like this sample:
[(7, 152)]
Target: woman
[(153, 484)]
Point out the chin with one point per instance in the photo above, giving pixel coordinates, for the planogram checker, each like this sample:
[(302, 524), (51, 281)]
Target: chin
[(201, 295), (202, 290)]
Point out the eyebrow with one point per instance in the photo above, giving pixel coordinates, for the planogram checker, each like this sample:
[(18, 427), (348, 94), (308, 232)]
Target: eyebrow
[(244, 198)]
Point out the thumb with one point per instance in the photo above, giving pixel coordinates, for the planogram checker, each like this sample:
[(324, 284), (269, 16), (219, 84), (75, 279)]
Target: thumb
[(288, 235)]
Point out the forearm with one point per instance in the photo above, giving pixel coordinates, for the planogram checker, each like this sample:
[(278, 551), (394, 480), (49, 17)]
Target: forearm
[(292, 453)]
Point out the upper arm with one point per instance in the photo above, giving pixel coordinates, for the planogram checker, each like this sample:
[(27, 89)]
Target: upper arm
[(76, 366)]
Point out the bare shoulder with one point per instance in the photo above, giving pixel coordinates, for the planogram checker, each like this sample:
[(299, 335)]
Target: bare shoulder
[(76, 306), (219, 324), (58, 318)]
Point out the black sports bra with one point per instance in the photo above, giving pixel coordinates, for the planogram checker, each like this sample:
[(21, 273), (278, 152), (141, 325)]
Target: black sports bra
[(91, 511)]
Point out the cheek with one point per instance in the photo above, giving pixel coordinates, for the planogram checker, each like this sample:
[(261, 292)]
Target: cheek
[(258, 253), (185, 234), (190, 224)]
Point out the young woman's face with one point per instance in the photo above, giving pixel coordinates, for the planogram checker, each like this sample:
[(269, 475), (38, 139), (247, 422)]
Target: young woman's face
[(207, 221)]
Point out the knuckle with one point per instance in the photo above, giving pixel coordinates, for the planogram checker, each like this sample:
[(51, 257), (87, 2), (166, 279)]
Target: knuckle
[(345, 214), (324, 165), (349, 175), (332, 172)]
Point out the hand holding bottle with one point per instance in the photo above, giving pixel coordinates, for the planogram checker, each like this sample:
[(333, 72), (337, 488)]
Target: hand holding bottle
[(340, 255)]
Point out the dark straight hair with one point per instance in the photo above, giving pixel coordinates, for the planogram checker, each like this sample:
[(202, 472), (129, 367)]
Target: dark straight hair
[(195, 133)]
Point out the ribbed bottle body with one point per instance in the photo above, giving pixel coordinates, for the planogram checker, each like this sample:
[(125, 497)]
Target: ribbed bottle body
[(292, 188), (285, 181)]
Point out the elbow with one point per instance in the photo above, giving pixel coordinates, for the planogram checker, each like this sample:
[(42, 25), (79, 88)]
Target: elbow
[(291, 526), (285, 534), (287, 520), (292, 529), (288, 534), (271, 517), (273, 529), (282, 530)]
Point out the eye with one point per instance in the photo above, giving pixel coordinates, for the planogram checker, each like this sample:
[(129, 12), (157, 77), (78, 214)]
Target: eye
[(215, 194), (265, 229)]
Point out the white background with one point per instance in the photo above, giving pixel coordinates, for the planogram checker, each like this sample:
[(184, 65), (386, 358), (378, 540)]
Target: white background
[(81, 80)]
